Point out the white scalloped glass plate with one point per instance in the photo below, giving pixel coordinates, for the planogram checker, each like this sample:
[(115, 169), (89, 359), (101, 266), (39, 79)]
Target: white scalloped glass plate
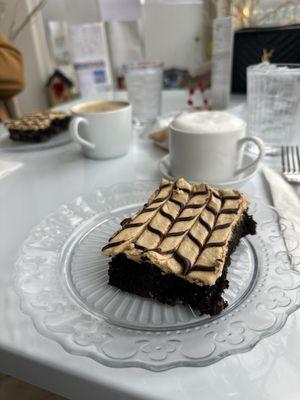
[(61, 278), (6, 144)]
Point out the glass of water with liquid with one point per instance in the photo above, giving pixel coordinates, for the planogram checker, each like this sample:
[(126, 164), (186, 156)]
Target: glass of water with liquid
[(144, 82), (273, 103)]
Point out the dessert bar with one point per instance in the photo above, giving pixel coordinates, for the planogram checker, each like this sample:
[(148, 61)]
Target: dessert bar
[(37, 126), (177, 248)]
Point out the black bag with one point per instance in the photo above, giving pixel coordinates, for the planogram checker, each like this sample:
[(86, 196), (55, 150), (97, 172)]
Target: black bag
[(250, 43)]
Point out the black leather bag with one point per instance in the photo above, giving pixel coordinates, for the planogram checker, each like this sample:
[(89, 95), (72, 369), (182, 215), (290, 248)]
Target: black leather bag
[(249, 45)]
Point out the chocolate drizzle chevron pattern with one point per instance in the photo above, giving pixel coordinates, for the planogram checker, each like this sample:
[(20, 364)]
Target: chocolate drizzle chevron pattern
[(183, 229)]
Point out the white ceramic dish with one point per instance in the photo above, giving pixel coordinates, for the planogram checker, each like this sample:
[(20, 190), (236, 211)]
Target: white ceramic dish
[(234, 183)]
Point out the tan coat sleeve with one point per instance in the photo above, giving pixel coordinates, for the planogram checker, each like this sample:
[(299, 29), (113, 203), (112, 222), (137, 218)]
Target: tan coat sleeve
[(11, 70)]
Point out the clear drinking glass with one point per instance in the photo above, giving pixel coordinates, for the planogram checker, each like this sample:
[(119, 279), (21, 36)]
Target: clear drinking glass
[(273, 99), (144, 85)]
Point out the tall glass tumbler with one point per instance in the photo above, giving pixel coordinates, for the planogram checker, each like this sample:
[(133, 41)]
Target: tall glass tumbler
[(273, 103), (144, 85)]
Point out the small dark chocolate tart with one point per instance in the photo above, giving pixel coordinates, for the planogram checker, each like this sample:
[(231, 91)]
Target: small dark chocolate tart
[(29, 129)]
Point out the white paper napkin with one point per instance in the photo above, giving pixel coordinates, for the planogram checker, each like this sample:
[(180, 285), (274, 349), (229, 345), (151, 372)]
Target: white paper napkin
[(286, 198), (8, 167)]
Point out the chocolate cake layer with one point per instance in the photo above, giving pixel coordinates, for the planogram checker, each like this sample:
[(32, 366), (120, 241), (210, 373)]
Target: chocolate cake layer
[(147, 280)]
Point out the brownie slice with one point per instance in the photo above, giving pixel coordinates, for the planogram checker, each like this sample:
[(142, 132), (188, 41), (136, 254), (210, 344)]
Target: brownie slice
[(37, 126), (177, 248)]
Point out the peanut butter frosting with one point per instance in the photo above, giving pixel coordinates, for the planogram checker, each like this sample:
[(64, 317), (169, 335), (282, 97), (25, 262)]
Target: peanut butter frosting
[(183, 229)]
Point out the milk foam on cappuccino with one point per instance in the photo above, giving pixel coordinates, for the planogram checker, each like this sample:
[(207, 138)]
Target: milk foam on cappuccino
[(208, 122)]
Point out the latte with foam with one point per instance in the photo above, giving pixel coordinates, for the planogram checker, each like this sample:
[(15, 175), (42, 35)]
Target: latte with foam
[(102, 128), (208, 122), (209, 146), (100, 106)]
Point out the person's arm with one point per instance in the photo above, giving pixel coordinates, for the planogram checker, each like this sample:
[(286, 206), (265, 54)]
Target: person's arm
[(11, 70)]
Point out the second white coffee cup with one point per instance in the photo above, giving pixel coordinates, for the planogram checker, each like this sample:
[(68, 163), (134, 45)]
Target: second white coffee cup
[(208, 146), (102, 128)]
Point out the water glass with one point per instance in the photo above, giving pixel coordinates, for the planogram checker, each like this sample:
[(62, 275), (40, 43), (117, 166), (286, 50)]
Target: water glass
[(273, 99), (144, 85)]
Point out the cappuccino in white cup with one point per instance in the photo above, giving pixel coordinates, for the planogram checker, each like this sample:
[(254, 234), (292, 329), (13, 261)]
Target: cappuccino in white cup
[(209, 145), (102, 128)]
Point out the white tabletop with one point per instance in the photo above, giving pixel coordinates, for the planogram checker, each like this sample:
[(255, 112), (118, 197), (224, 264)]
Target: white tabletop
[(52, 177)]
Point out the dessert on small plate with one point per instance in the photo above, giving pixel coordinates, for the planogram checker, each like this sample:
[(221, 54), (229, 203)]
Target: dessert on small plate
[(37, 126), (177, 248), (35, 131)]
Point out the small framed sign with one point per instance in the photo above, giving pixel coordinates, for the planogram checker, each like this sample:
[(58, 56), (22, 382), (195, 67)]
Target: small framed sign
[(91, 58)]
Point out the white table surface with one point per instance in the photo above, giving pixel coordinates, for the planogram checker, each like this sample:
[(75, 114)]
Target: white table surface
[(52, 177)]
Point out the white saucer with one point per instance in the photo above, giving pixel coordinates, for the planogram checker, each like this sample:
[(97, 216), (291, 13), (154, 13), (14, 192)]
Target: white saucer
[(233, 183)]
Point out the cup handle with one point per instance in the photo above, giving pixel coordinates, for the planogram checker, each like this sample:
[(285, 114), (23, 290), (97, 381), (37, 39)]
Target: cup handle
[(261, 151), (74, 132)]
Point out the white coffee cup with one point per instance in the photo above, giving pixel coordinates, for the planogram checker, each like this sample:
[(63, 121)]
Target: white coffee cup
[(208, 146), (102, 128)]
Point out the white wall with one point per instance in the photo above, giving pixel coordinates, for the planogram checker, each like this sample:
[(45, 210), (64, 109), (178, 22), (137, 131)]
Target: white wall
[(170, 31), (72, 11)]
